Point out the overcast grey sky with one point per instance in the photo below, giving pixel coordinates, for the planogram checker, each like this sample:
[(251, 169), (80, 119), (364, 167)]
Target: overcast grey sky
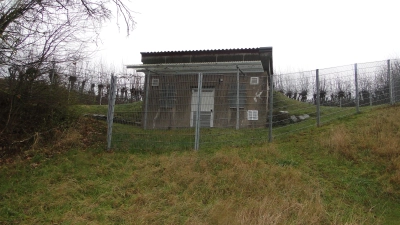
[(305, 35)]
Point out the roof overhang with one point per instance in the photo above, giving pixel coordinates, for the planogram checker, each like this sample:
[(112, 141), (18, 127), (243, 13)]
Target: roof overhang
[(194, 68)]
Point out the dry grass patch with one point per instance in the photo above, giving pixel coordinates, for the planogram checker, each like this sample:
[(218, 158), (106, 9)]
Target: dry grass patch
[(394, 177), (382, 133), (375, 140), (339, 141), (379, 134), (224, 188), (387, 145), (277, 205)]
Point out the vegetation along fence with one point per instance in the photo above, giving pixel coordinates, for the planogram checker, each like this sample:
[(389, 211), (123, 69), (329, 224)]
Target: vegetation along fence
[(35, 99), (244, 109)]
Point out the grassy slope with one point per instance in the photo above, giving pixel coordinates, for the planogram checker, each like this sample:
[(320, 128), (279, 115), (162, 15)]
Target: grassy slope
[(344, 172), (102, 109)]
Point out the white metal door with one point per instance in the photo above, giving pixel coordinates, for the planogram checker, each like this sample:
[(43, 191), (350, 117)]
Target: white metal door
[(206, 108)]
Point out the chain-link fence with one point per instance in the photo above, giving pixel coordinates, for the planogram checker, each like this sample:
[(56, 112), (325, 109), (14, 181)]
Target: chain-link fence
[(242, 110)]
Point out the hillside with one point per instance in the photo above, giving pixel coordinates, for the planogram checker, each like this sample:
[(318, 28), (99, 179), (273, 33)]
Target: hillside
[(345, 172)]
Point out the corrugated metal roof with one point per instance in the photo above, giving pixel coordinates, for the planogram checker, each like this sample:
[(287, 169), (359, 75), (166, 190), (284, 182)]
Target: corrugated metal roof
[(238, 50)]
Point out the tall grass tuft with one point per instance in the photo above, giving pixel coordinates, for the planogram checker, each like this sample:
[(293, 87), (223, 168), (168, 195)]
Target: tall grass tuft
[(339, 141)]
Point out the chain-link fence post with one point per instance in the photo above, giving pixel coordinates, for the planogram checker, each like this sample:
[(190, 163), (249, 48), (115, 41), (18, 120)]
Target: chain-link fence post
[(198, 122), (318, 98), (396, 80), (389, 78), (356, 85), (110, 113), (271, 105), (237, 99), (146, 100)]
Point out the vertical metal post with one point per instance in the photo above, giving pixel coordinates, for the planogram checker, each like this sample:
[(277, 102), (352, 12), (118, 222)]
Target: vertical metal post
[(318, 98), (389, 78), (100, 93), (146, 102), (198, 122), (395, 83), (370, 98), (357, 92), (237, 99), (271, 105), (110, 113)]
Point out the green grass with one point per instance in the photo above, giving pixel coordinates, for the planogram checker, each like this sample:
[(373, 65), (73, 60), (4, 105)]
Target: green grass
[(297, 108), (102, 109), (130, 135), (344, 172), (294, 107)]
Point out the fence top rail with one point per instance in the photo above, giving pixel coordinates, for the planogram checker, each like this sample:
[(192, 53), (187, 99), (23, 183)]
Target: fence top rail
[(209, 67), (341, 69)]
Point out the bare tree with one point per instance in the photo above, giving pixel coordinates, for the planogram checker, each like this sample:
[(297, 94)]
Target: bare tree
[(278, 83), (365, 85), (36, 35), (304, 87), (33, 32), (381, 85), (323, 89), (342, 90), (289, 83)]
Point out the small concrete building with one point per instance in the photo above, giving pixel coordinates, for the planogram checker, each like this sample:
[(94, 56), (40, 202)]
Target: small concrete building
[(233, 86)]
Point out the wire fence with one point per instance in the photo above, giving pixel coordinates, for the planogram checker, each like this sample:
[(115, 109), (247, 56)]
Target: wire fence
[(158, 112), (193, 111), (91, 89), (332, 93)]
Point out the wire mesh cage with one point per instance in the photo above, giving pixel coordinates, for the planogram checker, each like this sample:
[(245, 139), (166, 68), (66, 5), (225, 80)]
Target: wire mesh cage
[(166, 115)]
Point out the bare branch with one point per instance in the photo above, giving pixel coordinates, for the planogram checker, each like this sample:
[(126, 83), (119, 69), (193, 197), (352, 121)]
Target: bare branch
[(60, 28)]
